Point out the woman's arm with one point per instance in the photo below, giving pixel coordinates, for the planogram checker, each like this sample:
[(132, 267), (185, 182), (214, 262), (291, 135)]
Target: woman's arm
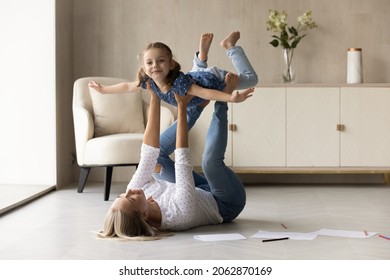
[(152, 130), (151, 145), (212, 94), (117, 88), (182, 125), (185, 194)]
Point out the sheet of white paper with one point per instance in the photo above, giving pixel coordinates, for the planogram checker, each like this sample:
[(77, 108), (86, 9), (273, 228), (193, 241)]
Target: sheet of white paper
[(220, 237), (345, 233), (281, 234), (312, 235)]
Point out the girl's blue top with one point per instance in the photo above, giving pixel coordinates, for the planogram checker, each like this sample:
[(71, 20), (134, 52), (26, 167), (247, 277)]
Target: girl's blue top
[(183, 82)]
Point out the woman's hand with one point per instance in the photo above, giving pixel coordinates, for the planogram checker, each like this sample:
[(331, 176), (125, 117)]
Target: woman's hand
[(183, 100), (153, 95)]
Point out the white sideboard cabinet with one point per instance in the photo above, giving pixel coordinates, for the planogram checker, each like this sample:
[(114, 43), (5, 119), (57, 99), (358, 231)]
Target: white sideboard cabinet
[(312, 115), (306, 128), (365, 120)]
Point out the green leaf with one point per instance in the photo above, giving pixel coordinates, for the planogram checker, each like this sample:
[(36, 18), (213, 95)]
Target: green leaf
[(283, 35), (293, 30), (296, 41), (286, 45), (274, 43)]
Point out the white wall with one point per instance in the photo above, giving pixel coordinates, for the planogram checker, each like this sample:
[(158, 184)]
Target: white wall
[(27, 95)]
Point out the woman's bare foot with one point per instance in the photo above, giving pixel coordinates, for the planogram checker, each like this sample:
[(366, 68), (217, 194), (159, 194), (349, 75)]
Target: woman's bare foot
[(231, 81), (230, 40), (204, 45), (157, 168)]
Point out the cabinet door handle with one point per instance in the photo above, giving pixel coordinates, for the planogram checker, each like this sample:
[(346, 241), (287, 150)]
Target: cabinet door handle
[(340, 127), (232, 127)]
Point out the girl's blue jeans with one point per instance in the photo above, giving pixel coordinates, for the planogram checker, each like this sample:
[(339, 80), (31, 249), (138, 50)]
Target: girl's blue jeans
[(246, 74), (218, 179)]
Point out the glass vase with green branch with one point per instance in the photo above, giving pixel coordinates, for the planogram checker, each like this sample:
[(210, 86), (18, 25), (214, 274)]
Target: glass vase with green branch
[(288, 37)]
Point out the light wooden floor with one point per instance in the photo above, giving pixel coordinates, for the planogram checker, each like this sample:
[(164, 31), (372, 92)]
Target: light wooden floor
[(60, 226), (13, 196)]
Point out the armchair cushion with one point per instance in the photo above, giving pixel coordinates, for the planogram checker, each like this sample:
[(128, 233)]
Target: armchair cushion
[(117, 113)]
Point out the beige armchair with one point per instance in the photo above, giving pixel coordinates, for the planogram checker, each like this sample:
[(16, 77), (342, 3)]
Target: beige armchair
[(109, 127)]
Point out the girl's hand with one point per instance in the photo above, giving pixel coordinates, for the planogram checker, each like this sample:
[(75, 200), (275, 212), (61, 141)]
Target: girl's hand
[(95, 85), (238, 97)]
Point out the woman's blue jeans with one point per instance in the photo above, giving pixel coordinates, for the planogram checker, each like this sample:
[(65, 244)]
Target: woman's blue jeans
[(168, 146), (218, 179)]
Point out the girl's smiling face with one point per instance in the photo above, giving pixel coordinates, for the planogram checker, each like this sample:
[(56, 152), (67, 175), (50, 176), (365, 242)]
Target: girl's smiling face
[(157, 64)]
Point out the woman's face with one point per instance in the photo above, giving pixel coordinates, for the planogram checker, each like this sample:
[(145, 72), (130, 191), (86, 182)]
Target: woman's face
[(132, 200), (157, 64)]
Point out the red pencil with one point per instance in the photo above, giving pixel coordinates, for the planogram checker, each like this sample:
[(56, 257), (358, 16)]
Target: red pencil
[(385, 237)]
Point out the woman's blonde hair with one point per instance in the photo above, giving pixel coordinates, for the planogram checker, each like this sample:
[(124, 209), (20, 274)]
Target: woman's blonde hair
[(121, 225), (173, 73)]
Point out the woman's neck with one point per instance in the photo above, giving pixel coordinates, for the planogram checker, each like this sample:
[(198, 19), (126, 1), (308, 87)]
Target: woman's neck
[(154, 214)]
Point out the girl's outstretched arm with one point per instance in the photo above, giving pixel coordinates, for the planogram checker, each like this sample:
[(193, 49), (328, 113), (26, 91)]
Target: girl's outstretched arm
[(117, 88), (212, 94)]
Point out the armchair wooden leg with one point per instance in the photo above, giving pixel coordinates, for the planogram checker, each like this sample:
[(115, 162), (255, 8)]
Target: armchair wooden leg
[(84, 172), (107, 182)]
